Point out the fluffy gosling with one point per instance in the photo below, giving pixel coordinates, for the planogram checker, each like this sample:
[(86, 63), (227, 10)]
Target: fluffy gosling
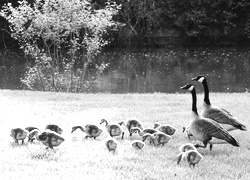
[(160, 138), (131, 123), (193, 157), (138, 144), (51, 139), (167, 129), (113, 129), (183, 148), (111, 144), (31, 135), (19, 134)]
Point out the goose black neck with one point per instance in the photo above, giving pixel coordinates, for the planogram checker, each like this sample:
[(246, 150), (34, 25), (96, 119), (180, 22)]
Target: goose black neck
[(206, 92), (194, 98)]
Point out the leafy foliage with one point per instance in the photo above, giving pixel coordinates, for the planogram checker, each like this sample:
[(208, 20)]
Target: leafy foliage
[(48, 28)]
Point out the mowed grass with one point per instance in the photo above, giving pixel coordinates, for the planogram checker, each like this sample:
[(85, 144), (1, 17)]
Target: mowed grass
[(79, 158)]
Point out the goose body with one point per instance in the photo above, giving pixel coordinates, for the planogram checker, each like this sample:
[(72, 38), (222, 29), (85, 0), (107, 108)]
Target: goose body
[(91, 130), (19, 134), (54, 128), (138, 144), (130, 124), (220, 115), (167, 129), (113, 129), (193, 157), (142, 132), (111, 144), (204, 129)]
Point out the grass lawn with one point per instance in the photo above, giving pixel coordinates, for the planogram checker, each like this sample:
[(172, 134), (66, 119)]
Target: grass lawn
[(79, 158)]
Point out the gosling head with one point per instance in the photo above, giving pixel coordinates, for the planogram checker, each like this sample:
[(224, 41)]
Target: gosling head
[(156, 125)]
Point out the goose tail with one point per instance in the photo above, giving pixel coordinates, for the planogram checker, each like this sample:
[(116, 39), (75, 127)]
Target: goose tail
[(242, 127), (230, 139)]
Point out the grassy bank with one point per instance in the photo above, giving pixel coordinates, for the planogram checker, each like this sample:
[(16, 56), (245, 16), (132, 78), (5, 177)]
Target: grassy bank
[(78, 158)]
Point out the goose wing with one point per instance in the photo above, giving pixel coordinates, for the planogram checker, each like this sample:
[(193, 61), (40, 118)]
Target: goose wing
[(213, 129), (223, 116)]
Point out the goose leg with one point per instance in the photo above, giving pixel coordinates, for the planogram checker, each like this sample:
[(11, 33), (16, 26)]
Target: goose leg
[(205, 142), (122, 135), (198, 145), (49, 143), (210, 146), (22, 141)]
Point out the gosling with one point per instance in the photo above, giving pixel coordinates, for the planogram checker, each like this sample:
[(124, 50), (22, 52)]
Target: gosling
[(111, 144), (193, 157), (19, 134), (138, 144)]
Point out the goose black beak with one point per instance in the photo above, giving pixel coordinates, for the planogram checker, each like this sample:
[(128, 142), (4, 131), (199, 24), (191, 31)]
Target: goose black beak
[(194, 79), (186, 87)]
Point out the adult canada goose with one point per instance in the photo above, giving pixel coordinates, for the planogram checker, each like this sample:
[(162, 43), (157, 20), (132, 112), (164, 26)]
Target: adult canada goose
[(142, 132), (19, 134), (113, 129), (111, 144), (54, 128), (167, 129), (138, 144), (193, 157), (131, 123), (31, 135), (91, 130), (220, 115), (204, 129)]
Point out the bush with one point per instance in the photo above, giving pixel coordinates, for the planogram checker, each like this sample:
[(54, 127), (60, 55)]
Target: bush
[(63, 36)]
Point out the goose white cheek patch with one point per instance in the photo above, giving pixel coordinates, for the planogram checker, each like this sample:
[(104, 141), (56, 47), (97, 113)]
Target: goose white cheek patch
[(201, 79), (191, 88)]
